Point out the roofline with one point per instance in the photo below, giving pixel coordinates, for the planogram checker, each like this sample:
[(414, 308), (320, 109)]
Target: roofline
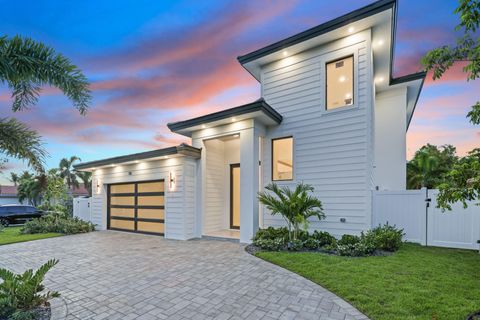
[(259, 105), (182, 149), (419, 91), (323, 28), (409, 77)]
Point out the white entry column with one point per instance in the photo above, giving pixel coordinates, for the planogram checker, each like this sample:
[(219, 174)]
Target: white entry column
[(249, 171)]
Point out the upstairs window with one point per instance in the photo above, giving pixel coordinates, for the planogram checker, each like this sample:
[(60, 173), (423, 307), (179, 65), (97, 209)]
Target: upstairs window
[(339, 91), (282, 159)]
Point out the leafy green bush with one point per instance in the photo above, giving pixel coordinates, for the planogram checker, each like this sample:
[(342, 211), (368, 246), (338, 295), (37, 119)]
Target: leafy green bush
[(348, 240), (57, 222), (21, 293), (386, 237), (270, 244), (295, 245), (311, 244), (324, 238), (358, 249), (271, 233)]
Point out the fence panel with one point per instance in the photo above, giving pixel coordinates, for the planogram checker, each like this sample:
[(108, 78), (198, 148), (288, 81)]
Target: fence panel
[(406, 209), (459, 228), (81, 208)]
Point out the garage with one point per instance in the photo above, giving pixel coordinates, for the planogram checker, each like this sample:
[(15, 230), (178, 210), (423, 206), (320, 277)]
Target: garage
[(137, 207)]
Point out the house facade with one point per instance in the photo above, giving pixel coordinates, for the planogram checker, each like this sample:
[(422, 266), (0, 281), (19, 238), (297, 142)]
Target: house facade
[(330, 115)]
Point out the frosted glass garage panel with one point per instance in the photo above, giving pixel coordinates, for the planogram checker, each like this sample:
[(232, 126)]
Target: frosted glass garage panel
[(151, 187), (122, 212), (151, 213), (122, 201), (150, 226), (122, 224), (122, 188), (150, 200)]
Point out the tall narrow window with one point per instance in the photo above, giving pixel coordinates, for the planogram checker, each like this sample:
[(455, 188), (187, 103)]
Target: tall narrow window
[(339, 92), (282, 159)]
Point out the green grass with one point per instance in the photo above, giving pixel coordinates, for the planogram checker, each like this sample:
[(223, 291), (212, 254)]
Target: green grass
[(13, 235), (414, 283)]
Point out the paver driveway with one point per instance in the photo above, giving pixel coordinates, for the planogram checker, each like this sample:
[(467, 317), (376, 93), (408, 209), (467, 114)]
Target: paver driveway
[(114, 275)]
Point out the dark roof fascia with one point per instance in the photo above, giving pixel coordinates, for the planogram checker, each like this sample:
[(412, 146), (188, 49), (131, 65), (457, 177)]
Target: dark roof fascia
[(181, 149), (328, 26), (409, 77), (259, 105)]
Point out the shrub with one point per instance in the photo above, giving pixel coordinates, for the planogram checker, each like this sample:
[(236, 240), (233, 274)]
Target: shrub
[(311, 244), (324, 238), (358, 249), (270, 244), (20, 294), (348, 240), (271, 233), (57, 222), (295, 245), (386, 237)]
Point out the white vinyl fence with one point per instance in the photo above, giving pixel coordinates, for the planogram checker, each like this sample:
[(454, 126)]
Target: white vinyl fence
[(416, 212), (81, 208)]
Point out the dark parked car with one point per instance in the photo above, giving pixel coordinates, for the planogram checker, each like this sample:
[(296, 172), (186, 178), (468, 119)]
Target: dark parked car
[(17, 213)]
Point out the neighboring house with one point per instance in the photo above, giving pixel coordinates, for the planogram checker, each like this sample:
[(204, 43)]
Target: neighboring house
[(81, 191), (8, 195), (330, 114)]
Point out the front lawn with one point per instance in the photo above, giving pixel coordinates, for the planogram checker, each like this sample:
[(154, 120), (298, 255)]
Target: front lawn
[(414, 283), (13, 235)]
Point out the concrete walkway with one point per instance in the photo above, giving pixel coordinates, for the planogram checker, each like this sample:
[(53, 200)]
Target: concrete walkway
[(115, 275)]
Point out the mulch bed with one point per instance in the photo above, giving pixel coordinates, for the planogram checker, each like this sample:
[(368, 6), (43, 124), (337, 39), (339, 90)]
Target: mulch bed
[(253, 250), (41, 313)]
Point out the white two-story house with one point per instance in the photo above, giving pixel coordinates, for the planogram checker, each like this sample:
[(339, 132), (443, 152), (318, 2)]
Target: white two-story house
[(330, 114)]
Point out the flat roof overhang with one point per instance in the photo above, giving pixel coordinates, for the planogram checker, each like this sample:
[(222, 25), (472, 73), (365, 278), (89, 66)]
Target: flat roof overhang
[(259, 110), (180, 150)]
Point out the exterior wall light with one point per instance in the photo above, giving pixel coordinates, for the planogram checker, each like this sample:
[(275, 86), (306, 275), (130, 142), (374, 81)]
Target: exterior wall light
[(171, 181), (98, 186)]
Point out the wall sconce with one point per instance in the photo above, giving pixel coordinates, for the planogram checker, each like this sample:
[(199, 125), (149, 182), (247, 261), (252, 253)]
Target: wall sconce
[(98, 186), (171, 181)]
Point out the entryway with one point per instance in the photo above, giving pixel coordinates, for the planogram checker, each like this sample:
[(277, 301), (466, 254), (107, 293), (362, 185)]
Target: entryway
[(137, 207)]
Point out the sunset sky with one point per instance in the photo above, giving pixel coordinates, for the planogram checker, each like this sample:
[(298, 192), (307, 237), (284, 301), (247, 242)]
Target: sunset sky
[(153, 62)]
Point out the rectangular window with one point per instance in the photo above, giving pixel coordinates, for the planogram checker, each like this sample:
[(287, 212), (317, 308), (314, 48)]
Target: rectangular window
[(339, 91), (282, 159)]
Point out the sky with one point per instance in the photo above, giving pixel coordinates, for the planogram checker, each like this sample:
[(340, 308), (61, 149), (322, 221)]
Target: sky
[(154, 62)]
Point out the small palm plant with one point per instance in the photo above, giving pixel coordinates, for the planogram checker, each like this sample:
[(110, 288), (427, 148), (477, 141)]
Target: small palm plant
[(296, 206), (20, 294)]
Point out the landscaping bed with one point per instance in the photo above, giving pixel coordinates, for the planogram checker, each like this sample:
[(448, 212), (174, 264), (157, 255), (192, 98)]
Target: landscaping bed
[(414, 283)]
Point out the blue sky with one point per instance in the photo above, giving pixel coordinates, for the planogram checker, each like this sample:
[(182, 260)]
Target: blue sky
[(153, 62)]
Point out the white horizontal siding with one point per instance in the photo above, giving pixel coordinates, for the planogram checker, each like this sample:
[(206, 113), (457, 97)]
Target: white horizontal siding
[(178, 202), (331, 149), (215, 187)]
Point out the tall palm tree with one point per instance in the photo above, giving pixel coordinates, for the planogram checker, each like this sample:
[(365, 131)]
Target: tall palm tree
[(14, 178), (421, 170), (86, 178), (26, 66), (67, 172)]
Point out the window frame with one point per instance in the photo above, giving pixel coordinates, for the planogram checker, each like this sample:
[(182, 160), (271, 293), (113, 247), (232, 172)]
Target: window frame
[(351, 55), (293, 157)]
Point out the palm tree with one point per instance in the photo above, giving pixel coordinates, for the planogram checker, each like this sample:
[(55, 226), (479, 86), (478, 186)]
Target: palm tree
[(14, 178), (421, 170), (67, 171), (86, 178), (26, 66), (31, 188), (294, 206)]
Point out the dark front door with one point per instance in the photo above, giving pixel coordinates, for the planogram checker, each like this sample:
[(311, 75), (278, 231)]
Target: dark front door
[(235, 196)]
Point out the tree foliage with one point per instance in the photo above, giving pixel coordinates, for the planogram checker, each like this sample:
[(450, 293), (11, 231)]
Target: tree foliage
[(466, 50), (25, 67), (294, 206), (67, 172), (429, 166), (31, 188), (86, 178)]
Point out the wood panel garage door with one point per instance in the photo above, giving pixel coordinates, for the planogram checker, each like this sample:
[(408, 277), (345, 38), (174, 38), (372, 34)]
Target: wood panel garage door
[(137, 207)]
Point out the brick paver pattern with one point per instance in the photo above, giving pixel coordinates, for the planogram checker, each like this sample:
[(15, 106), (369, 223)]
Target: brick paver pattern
[(116, 275)]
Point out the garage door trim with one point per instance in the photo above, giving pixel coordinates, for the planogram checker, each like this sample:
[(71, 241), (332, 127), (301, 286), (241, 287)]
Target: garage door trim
[(135, 207)]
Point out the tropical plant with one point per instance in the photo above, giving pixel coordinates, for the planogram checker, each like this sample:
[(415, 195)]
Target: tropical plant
[(14, 178), (25, 66), (56, 191), (296, 206), (20, 294), (31, 188), (386, 237), (429, 166), (86, 178), (57, 222), (18, 141), (67, 172)]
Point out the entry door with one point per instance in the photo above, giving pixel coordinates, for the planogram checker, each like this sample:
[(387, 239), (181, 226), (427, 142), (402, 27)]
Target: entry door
[(235, 196), (137, 207)]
